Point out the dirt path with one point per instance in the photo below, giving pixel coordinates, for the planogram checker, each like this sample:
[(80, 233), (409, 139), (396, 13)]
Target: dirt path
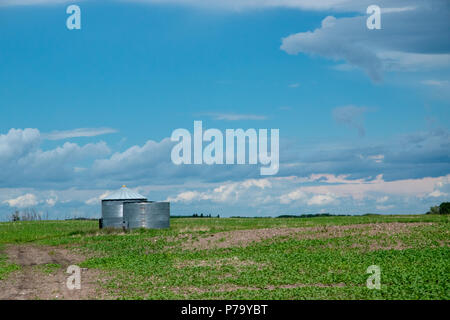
[(43, 275)]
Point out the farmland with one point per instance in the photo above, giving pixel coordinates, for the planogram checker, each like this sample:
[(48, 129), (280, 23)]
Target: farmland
[(230, 258)]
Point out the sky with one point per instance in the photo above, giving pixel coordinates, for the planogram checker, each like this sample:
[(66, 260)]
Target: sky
[(363, 114)]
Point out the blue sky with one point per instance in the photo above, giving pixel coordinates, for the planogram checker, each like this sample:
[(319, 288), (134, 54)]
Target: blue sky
[(363, 114)]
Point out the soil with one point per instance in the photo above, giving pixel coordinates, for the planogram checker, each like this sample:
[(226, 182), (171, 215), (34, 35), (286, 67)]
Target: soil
[(244, 238), (33, 282)]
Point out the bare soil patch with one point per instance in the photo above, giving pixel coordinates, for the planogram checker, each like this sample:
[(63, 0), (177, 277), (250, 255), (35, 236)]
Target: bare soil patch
[(244, 238), (32, 283)]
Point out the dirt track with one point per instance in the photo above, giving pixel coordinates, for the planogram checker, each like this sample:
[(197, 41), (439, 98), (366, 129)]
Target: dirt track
[(32, 282)]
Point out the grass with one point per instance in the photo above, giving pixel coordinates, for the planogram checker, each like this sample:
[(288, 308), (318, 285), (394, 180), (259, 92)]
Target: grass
[(166, 264), (5, 266), (48, 268)]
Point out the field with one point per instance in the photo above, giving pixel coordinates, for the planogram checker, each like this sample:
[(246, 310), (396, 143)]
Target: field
[(230, 258)]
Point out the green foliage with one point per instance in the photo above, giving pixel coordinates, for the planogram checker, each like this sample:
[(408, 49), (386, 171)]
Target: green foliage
[(5, 266), (153, 264), (444, 208), (49, 268), (434, 210)]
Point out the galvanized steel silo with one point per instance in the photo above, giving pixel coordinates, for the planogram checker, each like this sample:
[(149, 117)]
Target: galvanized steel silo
[(112, 206), (146, 214)]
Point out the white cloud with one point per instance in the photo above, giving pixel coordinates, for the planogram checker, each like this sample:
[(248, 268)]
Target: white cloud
[(25, 201), (295, 191), (378, 158), (17, 143), (24, 162), (97, 200), (225, 193), (51, 202), (188, 196), (292, 196), (382, 199), (437, 193), (321, 199), (411, 39), (75, 133), (349, 179), (359, 190)]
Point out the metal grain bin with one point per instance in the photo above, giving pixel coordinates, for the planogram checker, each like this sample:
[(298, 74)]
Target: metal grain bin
[(146, 214), (112, 206)]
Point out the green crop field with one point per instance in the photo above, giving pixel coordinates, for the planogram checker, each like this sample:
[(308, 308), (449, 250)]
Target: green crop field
[(236, 258)]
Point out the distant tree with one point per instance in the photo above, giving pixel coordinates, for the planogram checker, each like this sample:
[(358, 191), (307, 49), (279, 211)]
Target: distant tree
[(444, 208), (15, 216), (434, 210), (201, 215)]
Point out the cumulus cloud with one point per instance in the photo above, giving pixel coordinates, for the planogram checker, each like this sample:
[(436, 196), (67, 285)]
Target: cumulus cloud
[(317, 192), (25, 201), (410, 39), (266, 196), (24, 162), (51, 201), (382, 199), (17, 143), (378, 158), (292, 196), (224, 193), (413, 155), (320, 177), (437, 194), (321, 199), (97, 200)]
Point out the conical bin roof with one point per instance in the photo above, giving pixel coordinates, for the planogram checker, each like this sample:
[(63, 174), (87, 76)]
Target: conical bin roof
[(125, 194)]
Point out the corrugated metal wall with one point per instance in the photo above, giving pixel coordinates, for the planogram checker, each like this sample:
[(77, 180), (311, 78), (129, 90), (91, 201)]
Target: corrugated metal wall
[(112, 213), (146, 214)]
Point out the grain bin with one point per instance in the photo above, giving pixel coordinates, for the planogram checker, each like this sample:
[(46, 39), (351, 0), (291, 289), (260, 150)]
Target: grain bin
[(112, 206), (146, 214)]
